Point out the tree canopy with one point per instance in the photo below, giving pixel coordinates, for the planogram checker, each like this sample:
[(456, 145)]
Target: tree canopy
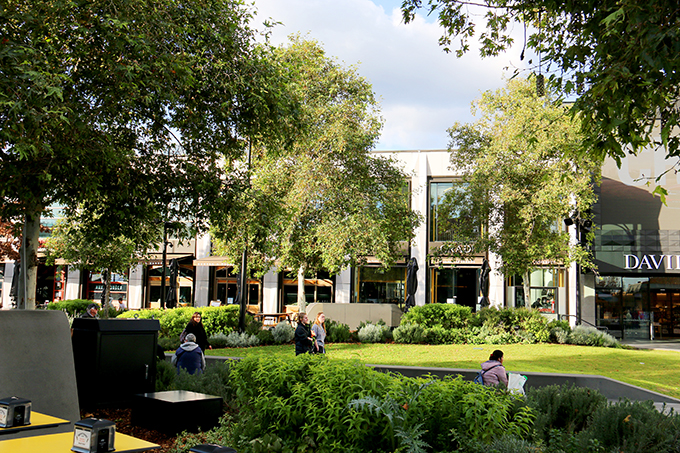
[(324, 203), (521, 179), (619, 58), (126, 108)]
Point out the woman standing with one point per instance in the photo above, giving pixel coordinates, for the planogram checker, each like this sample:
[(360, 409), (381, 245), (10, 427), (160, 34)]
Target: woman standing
[(319, 331), (195, 326), (303, 336)]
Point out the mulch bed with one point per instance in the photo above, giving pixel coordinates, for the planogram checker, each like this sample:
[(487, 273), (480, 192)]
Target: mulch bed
[(121, 417)]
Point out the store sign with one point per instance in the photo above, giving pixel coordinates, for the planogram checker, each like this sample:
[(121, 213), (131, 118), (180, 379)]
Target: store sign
[(652, 262)]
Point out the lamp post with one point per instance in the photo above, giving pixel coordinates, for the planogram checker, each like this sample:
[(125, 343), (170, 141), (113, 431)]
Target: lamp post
[(165, 255)]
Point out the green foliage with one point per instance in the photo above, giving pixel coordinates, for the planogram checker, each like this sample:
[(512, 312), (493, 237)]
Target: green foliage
[(215, 380), (437, 335), (449, 316), (265, 337), (290, 404), (337, 332), (170, 343), (409, 333), (373, 333), (559, 335), (283, 333), (566, 408), (621, 86), (215, 320), (590, 336), (73, 307), (633, 427), (520, 150), (241, 340), (165, 376)]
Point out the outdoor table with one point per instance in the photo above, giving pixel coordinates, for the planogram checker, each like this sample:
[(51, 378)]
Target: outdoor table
[(278, 317), (38, 421), (62, 443)]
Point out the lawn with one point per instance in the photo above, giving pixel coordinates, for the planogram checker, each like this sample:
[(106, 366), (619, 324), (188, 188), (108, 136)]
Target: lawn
[(651, 369)]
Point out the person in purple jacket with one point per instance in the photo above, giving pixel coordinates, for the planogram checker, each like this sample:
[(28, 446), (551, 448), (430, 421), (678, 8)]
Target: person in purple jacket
[(494, 371)]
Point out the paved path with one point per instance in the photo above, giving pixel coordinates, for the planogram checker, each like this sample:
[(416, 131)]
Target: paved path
[(669, 345)]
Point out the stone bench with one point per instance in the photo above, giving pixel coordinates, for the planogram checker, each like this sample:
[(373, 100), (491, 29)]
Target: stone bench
[(175, 411)]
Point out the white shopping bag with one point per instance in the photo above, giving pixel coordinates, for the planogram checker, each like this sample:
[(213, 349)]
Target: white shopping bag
[(516, 383)]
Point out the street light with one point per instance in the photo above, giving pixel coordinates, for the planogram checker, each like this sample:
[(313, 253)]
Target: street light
[(166, 225), (583, 226)]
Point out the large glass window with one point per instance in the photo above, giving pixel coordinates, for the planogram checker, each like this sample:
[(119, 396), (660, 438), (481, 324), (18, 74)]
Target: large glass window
[(543, 289), (376, 285), (226, 287), (185, 284), (622, 305), (455, 286), (451, 215), (318, 288), (118, 288)]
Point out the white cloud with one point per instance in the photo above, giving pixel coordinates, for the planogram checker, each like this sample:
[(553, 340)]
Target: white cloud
[(423, 90)]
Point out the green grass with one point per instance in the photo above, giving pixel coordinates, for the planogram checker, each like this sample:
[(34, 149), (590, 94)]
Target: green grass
[(650, 369)]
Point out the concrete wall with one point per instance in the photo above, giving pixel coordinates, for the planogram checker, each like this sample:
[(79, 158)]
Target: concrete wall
[(37, 363), (354, 314)]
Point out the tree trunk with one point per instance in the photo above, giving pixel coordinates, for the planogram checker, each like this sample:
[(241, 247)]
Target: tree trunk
[(107, 294), (29, 260), (302, 302), (525, 285)]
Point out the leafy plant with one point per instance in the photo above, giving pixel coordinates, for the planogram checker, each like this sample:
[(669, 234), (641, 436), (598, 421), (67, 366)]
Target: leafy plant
[(373, 333), (448, 316), (590, 336), (241, 340), (265, 336), (410, 333), (73, 307), (216, 320), (337, 332), (283, 333)]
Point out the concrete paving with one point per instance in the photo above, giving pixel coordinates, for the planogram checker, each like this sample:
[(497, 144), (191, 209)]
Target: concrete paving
[(668, 345)]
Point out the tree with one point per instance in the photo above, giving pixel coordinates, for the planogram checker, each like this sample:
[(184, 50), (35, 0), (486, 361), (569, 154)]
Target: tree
[(521, 179), (618, 57), (125, 107), (325, 202), (84, 245)]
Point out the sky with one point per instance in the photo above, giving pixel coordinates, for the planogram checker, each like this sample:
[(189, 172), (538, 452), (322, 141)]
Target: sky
[(422, 89)]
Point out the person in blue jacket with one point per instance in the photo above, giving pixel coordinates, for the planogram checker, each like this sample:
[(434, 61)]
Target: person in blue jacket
[(189, 356)]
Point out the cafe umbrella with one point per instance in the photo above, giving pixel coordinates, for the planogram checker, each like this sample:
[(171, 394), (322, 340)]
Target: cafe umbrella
[(411, 283), (171, 297)]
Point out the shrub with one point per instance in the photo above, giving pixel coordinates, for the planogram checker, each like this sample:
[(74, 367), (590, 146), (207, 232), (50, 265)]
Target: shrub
[(253, 327), (215, 380), (215, 319), (218, 341), (437, 335), (448, 316), (563, 407), (283, 333), (165, 376), (373, 333), (634, 427), (409, 334), (337, 332), (241, 340), (590, 336), (73, 307), (265, 337), (169, 344), (559, 335)]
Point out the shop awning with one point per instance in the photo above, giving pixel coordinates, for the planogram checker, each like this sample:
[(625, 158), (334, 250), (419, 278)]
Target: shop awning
[(156, 259), (213, 261)]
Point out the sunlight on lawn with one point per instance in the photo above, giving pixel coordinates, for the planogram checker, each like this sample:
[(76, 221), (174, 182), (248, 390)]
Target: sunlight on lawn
[(651, 369)]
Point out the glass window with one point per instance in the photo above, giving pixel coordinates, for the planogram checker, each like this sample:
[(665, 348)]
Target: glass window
[(377, 285), (450, 212), (543, 286), (318, 288), (225, 289), (455, 286), (118, 288)]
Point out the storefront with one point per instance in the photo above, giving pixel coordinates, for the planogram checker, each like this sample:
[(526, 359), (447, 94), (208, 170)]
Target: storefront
[(377, 285), (455, 285), (547, 291), (637, 249)]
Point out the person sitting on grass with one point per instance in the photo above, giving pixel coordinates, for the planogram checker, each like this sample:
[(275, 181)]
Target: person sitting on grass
[(189, 356)]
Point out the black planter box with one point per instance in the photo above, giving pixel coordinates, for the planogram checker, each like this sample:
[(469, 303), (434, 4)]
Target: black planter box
[(114, 360), (174, 411)]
